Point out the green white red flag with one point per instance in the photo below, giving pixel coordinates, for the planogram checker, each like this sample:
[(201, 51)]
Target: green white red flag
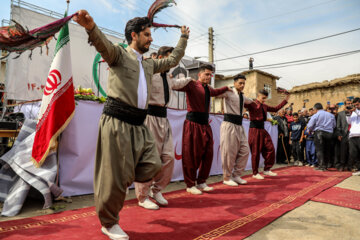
[(58, 103)]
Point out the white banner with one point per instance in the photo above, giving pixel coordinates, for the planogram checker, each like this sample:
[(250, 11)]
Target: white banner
[(26, 78), (78, 145)]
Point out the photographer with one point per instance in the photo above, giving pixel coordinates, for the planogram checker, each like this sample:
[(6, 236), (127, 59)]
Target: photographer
[(354, 135), (342, 132), (335, 151)]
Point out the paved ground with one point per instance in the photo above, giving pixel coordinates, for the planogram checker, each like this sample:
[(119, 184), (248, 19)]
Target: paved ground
[(310, 221), (314, 220)]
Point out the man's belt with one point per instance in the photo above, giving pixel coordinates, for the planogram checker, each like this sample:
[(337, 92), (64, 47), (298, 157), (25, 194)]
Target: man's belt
[(157, 111), (235, 119), (198, 117), (257, 124), (124, 112)]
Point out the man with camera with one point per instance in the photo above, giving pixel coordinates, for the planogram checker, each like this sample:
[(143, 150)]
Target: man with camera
[(354, 135), (342, 133)]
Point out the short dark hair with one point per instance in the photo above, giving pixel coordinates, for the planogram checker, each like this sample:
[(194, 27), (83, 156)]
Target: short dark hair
[(136, 25), (356, 100), (153, 54), (295, 114), (206, 66), (239, 76), (163, 51), (318, 106), (264, 92)]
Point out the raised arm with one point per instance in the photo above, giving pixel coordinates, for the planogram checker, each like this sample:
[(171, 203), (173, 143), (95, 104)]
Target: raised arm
[(162, 65), (247, 101), (277, 108), (250, 105), (179, 83), (223, 95), (186, 88), (109, 52), (218, 91)]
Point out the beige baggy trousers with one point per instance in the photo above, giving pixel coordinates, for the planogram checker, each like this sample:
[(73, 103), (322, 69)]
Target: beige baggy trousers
[(125, 153), (161, 130), (234, 148)]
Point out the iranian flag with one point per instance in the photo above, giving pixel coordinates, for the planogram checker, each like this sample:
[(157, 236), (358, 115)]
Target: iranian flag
[(58, 103)]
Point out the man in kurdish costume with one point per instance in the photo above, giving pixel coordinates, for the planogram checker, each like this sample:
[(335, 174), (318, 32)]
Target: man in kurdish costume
[(126, 150), (159, 126), (197, 140), (259, 139), (234, 144)]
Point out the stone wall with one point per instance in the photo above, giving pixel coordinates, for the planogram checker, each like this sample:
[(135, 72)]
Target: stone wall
[(334, 91)]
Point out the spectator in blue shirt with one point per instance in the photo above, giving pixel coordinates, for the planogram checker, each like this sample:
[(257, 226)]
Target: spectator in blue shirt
[(296, 138), (323, 124)]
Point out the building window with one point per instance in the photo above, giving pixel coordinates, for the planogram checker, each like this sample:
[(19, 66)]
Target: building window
[(267, 87)]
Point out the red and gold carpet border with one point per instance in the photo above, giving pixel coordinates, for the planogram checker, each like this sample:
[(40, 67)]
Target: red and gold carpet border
[(218, 232)]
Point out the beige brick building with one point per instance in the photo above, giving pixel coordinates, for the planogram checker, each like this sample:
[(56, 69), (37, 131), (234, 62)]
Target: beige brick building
[(255, 80), (334, 91)]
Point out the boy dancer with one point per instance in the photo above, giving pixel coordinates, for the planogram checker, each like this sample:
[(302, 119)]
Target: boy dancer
[(259, 139)]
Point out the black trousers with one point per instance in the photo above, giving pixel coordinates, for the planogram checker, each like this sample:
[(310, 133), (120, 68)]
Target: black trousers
[(335, 152), (343, 153), (303, 151), (354, 149), (297, 151), (280, 152), (323, 144)]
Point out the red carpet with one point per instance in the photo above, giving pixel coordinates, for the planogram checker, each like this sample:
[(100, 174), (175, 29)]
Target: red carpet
[(227, 213), (341, 197)]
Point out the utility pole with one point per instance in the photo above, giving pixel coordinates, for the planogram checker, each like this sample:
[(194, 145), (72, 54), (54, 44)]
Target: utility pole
[(211, 60), (211, 45)]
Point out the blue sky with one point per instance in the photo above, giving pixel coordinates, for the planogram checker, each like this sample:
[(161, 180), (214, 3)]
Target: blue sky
[(243, 27)]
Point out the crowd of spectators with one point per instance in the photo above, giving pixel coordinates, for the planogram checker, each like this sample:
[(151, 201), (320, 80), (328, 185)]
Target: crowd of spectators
[(321, 137)]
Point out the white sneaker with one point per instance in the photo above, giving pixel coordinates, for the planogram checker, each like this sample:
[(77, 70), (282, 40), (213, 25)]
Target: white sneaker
[(148, 204), (159, 198), (115, 233), (230, 183), (301, 164), (239, 180), (296, 163), (204, 187), (258, 176), (194, 190), (270, 173), (356, 173)]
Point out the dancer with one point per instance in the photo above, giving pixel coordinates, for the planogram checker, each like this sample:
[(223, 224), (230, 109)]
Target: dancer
[(233, 140), (126, 150), (259, 138), (197, 141), (159, 126)]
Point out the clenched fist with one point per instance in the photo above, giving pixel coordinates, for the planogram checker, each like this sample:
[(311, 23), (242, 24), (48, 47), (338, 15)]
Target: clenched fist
[(84, 19)]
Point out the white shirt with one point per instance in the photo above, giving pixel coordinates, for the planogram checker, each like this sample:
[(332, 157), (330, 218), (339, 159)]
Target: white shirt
[(354, 120), (142, 88)]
